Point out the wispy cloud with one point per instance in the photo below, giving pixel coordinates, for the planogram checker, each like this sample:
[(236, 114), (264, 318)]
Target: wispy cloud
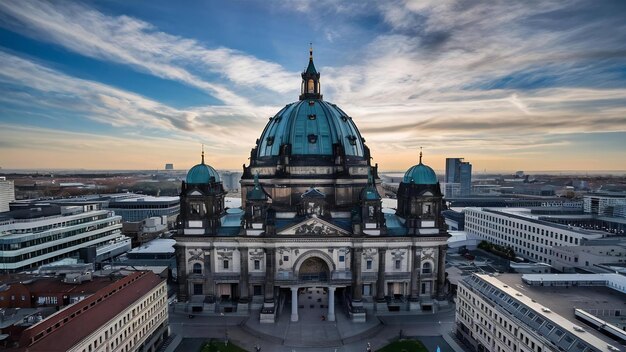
[(40, 86), (133, 42), (475, 77)]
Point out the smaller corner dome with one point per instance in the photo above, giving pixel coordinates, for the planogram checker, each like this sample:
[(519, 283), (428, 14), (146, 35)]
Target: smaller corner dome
[(202, 174), (420, 174)]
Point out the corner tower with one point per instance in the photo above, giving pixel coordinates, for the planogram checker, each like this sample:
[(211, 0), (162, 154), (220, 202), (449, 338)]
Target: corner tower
[(420, 201)]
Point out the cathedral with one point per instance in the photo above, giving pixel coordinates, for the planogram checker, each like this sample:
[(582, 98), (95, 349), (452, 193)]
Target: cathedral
[(311, 217)]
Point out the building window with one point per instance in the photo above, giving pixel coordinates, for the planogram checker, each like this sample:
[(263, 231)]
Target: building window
[(342, 258), (427, 268), (369, 264), (197, 268), (367, 290), (425, 288), (225, 264), (257, 289), (398, 264), (257, 265), (286, 258), (197, 289)]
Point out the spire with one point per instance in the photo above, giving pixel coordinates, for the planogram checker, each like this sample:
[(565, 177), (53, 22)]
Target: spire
[(203, 153), (370, 192), (420, 155), (257, 192), (311, 68)]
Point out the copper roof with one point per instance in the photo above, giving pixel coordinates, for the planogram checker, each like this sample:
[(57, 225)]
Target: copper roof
[(89, 314)]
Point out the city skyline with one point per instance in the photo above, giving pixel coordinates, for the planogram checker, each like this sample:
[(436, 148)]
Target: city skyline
[(507, 86)]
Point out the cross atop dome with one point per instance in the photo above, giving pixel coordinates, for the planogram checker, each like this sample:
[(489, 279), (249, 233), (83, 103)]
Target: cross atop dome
[(310, 88)]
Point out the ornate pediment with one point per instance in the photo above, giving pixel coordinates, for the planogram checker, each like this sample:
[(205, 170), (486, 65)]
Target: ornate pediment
[(195, 193), (314, 227)]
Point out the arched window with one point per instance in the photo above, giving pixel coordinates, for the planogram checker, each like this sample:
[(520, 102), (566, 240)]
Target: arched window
[(197, 268), (427, 268), (310, 86)]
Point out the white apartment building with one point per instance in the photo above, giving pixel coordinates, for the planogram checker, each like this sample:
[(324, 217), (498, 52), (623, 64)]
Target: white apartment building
[(590, 254), (33, 241), (7, 194), (504, 314), (529, 237)]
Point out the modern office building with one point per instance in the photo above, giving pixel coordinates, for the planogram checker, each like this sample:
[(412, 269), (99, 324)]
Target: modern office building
[(459, 171), (46, 233), (535, 313), (451, 190), (312, 217), (129, 314), (518, 228), (609, 205), (140, 208), (7, 194)]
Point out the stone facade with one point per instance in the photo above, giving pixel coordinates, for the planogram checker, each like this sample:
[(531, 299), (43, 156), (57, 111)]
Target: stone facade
[(312, 217)]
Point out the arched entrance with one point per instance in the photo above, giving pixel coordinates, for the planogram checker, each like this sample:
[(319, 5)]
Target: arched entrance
[(314, 269)]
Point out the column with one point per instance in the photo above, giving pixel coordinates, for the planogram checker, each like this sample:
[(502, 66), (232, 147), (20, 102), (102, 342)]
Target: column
[(380, 281), (357, 282), (243, 273), (294, 304), (441, 271), (181, 263), (415, 273), (209, 284), (270, 259), (331, 303)]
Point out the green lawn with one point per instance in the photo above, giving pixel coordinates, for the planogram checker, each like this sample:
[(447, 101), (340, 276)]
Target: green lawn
[(218, 345), (404, 345)]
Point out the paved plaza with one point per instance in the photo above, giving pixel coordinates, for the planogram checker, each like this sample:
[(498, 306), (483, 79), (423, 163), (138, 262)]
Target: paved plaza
[(312, 332)]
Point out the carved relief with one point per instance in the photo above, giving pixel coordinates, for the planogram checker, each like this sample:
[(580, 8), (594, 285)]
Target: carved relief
[(398, 254), (195, 254), (428, 253), (370, 253), (256, 254), (224, 253), (315, 229)]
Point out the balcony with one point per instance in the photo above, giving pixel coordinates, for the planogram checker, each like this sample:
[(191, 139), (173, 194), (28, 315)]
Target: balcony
[(336, 278)]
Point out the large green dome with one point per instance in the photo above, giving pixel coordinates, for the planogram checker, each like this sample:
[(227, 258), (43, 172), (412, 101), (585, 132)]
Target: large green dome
[(420, 174), (311, 127)]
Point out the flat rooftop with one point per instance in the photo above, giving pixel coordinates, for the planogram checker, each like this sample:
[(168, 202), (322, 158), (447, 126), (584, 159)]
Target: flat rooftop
[(159, 245), (146, 199), (563, 301)]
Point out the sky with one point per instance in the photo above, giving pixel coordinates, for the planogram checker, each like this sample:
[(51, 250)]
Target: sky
[(508, 85)]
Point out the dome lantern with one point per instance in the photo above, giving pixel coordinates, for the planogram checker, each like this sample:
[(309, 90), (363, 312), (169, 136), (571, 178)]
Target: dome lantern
[(310, 88)]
